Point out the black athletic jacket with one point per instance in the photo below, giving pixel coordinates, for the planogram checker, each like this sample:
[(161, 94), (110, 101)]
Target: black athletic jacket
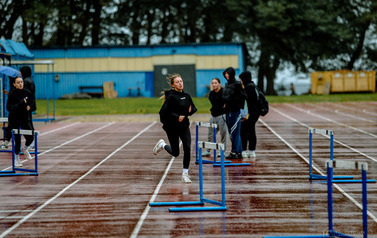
[(176, 104), (234, 95), (252, 100), (16, 107), (217, 101)]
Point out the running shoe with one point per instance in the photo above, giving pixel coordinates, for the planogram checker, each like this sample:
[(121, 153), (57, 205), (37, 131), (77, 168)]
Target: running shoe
[(159, 146), (186, 178)]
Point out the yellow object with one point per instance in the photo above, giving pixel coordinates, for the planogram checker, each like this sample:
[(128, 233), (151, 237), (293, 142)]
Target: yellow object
[(342, 81), (108, 90)]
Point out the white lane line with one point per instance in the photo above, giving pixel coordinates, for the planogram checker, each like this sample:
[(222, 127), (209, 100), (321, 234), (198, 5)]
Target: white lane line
[(335, 140), (330, 120), (67, 142), (143, 216), (25, 218), (370, 214), (58, 129), (343, 114)]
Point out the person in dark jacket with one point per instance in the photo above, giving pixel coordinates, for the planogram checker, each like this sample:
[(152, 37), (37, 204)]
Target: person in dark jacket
[(18, 106), (248, 134), (178, 106), (234, 99), (217, 114), (7, 130)]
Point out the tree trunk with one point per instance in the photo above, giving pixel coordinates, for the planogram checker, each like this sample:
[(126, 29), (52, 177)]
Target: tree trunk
[(356, 54)]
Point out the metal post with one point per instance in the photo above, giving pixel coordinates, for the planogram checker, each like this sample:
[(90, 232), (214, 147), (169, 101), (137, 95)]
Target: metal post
[(36, 152), (329, 197), (223, 176), (196, 142), (331, 146), (201, 174), (310, 154), (365, 203), (214, 141)]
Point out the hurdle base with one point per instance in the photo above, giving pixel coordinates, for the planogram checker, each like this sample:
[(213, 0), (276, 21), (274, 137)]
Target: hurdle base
[(322, 177), (196, 209), (232, 164), (212, 162), (331, 234), (194, 203), (350, 181)]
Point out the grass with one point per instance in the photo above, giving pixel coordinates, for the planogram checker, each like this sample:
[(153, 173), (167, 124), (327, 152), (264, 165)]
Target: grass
[(79, 107)]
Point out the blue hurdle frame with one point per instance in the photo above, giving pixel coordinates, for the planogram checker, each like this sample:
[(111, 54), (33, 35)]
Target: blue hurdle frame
[(330, 179), (5, 120), (214, 162), (336, 179), (220, 205), (15, 171)]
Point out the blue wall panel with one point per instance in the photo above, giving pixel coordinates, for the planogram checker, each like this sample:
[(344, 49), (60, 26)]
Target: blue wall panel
[(204, 77)]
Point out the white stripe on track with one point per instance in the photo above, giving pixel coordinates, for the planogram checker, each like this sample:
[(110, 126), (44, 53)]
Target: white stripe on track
[(307, 161), (67, 142), (335, 140), (58, 129), (330, 120), (143, 216), (25, 218)]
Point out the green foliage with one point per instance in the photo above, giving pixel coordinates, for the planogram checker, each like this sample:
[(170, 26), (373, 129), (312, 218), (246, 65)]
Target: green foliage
[(78, 107)]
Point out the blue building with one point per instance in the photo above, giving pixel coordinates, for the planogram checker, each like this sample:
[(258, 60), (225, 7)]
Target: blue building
[(138, 70)]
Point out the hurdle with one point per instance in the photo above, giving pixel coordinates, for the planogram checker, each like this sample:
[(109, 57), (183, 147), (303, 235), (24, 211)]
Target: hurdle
[(220, 205), (21, 171), (363, 166), (5, 120), (214, 162), (337, 179)]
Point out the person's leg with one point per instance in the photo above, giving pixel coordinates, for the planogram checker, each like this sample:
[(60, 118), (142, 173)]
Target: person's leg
[(29, 139), (186, 143), (210, 137), (233, 120), (244, 134), (173, 148), (252, 133), (237, 134), (223, 130)]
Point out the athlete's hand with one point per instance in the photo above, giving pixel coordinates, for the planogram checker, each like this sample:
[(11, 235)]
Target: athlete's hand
[(180, 119)]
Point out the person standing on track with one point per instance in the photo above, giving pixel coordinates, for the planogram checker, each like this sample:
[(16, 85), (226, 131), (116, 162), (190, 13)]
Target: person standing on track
[(18, 106), (217, 114), (174, 113), (234, 97), (248, 134)]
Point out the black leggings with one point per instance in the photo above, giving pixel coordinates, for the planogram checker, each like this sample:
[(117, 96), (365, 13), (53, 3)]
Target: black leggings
[(173, 148), (17, 137), (248, 133)]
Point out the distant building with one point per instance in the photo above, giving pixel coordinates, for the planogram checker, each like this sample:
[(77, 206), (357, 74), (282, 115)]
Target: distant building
[(139, 70)]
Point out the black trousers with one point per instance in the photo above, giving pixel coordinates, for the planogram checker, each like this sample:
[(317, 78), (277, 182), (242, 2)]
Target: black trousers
[(173, 148), (248, 134), (27, 125)]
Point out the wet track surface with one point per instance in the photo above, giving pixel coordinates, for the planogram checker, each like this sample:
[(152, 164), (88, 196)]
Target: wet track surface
[(96, 179)]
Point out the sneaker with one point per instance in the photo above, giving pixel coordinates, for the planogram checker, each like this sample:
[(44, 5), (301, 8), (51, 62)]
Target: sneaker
[(4, 145), (17, 161), (245, 154), (232, 155), (25, 150), (206, 153), (159, 146), (186, 178), (251, 153)]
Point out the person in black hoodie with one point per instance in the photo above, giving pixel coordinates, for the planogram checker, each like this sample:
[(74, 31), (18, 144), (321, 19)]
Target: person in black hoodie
[(248, 135), (234, 99), (18, 106), (217, 113), (178, 106)]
